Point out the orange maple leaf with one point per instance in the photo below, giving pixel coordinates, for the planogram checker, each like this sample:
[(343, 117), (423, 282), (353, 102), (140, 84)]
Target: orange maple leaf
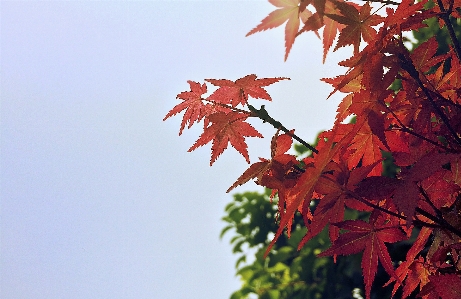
[(227, 127), (366, 148), (291, 11), (332, 27)]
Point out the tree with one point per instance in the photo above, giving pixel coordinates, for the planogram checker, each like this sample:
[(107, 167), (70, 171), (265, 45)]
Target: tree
[(291, 273), (407, 107)]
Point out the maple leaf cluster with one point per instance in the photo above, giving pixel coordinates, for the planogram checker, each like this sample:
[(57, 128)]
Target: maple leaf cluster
[(224, 122), (405, 103)]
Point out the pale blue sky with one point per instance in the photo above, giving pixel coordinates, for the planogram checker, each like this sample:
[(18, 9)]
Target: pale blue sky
[(99, 197)]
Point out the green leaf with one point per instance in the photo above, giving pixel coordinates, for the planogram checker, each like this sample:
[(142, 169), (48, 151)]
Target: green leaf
[(237, 215), (238, 246), (240, 260), (229, 206), (278, 267), (234, 239), (242, 293), (281, 255), (296, 237), (224, 230), (271, 294), (246, 272)]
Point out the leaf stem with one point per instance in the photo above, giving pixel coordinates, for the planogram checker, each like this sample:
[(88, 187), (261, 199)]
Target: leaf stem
[(227, 106)]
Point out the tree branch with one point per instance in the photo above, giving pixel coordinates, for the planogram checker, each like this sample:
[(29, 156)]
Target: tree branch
[(428, 200), (445, 16), (372, 205), (390, 2), (440, 221)]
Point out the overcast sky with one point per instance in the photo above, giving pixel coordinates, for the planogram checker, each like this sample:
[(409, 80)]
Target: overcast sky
[(99, 197)]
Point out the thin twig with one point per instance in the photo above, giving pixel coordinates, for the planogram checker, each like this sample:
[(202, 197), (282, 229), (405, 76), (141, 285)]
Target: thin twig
[(390, 2), (265, 117), (409, 131), (428, 200), (443, 223), (438, 220), (419, 222), (408, 66), (371, 205)]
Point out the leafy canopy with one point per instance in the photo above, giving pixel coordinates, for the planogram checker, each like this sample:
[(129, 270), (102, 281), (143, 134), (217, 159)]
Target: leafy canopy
[(407, 106)]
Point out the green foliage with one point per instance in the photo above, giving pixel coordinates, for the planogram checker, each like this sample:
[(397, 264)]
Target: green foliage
[(286, 272), (442, 36)]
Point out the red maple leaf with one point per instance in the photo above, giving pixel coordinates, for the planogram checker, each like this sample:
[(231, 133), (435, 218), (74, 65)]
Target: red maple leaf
[(227, 127), (193, 103), (330, 208), (358, 24), (405, 10), (279, 174), (290, 11), (318, 20), (408, 194), (369, 238), (237, 92), (334, 185), (442, 281), (256, 170), (306, 182), (272, 173), (423, 56), (366, 148), (440, 188), (412, 269), (447, 286)]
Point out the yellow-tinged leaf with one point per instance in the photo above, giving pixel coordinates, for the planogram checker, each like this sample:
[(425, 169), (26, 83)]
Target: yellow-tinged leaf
[(290, 11)]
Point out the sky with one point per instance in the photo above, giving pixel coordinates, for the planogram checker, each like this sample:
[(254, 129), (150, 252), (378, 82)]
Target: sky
[(99, 197)]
